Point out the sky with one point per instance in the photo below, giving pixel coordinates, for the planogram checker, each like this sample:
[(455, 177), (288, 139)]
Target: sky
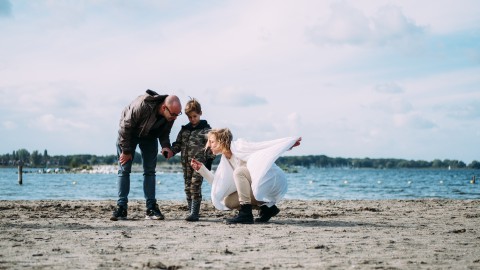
[(363, 78)]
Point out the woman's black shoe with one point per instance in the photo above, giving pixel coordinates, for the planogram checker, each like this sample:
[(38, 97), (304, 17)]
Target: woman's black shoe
[(244, 216), (266, 213)]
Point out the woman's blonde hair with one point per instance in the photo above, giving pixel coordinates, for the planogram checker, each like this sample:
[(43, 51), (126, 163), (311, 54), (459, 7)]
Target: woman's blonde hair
[(223, 136)]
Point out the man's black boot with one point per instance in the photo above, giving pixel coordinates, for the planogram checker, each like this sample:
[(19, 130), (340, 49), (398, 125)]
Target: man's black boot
[(119, 214)]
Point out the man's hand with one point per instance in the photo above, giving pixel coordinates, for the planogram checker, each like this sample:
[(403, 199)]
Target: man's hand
[(167, 152), (124, 158)]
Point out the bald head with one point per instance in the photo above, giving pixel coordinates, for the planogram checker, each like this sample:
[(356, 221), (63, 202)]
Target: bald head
[(173, 103), (171, 108)]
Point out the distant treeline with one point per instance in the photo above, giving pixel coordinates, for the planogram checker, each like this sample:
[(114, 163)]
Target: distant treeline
[(37, 159), (323, 161)]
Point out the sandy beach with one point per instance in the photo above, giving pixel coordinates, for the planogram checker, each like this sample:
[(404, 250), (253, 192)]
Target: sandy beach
[(387, 234)]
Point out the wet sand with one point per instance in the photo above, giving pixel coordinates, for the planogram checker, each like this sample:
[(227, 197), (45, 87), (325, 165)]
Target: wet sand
[(386, 234)]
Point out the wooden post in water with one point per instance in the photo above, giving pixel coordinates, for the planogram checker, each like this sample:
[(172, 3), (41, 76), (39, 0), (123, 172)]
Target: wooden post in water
[(20, 172)]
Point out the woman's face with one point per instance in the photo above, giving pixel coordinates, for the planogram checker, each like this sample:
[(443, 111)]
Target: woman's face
[(214, 145)]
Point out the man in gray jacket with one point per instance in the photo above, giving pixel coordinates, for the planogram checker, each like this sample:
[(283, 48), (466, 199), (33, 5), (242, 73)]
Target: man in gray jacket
[(148, 118)]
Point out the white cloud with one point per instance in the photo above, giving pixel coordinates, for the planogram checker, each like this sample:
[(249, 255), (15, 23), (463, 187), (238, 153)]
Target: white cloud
[(412, 121), (348, 25), (294, 124), (31, 100), (389, 87), (231, 96), (393, 105), (9, 125), (391, 25), (51, 123), (463, 110), (443, 16)]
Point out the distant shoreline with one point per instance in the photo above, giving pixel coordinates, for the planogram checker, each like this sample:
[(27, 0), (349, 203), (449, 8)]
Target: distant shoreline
[(172, 167), (285, 162)]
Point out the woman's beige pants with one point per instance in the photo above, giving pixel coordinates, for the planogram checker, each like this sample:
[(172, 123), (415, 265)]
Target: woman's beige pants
[(244, 194)]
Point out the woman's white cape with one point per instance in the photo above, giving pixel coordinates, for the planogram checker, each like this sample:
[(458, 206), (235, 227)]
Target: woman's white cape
[(269, 182)]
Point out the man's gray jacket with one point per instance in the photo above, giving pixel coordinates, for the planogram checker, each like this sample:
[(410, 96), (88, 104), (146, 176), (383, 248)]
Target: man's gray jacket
[(139, 117)]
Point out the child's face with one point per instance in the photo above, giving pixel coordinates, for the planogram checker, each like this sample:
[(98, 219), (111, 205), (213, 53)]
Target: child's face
[(194, 118)]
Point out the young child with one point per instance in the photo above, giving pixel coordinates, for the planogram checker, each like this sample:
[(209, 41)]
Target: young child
[(191, 141)]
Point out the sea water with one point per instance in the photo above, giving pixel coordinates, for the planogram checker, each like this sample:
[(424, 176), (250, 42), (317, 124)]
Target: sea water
[(305, 184)]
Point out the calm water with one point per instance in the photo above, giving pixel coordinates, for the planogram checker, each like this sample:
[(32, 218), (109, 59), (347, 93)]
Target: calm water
[(307, 184)]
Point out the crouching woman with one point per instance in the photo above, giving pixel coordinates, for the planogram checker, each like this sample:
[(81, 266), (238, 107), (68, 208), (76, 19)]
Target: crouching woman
[(246, 175)]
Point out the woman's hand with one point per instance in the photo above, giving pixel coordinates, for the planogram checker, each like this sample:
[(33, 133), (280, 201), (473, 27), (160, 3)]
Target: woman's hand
[(196, 165), (297, 143)]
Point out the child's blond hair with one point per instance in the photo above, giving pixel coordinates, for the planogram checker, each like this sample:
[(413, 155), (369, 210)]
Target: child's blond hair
[(193, 106)]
